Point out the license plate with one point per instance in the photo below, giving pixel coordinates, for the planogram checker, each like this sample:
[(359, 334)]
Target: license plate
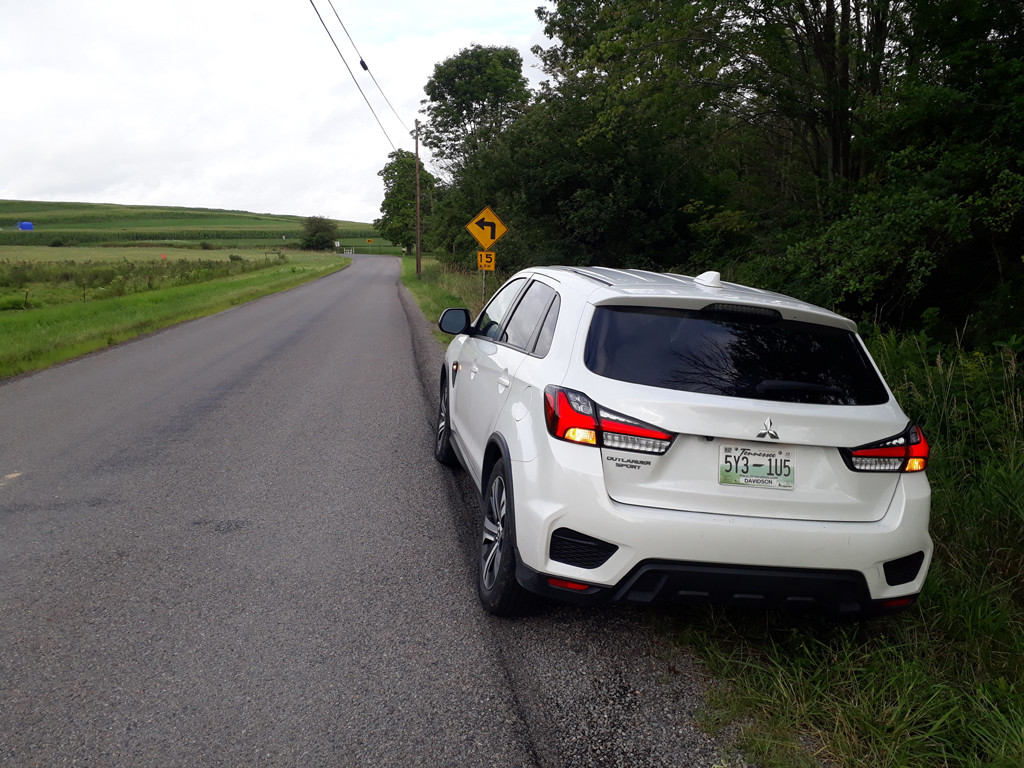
[(757, 467)]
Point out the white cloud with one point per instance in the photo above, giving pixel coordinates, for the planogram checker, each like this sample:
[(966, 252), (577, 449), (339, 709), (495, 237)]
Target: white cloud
[(224, 104)]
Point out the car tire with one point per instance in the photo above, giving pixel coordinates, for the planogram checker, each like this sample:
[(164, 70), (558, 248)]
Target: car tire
[(443, 450), (500, 593)]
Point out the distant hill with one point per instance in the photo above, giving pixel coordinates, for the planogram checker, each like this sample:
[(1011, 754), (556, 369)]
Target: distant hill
[(102, 223)]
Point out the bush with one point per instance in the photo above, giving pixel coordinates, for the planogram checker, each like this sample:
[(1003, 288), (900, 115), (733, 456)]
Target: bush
[(15, 275), (320, 234)]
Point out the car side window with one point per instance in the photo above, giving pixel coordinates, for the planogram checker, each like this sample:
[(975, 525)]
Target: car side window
[(494, 314), (519, 330), (547, 330)]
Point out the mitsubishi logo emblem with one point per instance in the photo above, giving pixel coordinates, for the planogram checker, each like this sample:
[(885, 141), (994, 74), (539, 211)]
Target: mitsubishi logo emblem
[(768, 431)]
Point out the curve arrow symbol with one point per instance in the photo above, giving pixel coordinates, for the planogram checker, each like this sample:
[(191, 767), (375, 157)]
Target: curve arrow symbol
[(484, 223)]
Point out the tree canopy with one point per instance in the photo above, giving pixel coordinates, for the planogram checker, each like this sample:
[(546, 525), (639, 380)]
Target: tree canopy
[(865, 154), (319, 233), (471, 98), (398, 220)]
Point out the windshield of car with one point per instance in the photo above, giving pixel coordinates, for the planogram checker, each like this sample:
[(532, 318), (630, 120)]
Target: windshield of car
[(734, 356)]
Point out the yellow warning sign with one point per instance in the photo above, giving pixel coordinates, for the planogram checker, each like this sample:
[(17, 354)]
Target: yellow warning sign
[(485, 261), (487, 228)]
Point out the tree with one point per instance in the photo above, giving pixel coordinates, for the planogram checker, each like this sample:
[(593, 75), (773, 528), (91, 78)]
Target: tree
[(795, 80), (319, 233), (622, 198), (864, 154), (398, 222), (471, 98), (938, 226)]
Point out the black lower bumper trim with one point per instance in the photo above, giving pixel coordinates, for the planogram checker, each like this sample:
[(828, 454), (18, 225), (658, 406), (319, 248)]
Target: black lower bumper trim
[(703, 583), (832, 591)]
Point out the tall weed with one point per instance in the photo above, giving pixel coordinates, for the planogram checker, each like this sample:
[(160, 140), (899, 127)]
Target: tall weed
[(942, 685)]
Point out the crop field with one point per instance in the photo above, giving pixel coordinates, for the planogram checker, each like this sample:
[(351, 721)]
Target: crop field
[(70, 224), (88, 276)]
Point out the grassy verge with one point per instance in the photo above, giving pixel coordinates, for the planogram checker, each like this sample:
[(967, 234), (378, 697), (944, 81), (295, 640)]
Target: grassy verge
[(436, 289), (109, 254), (37, 338), (30, 280), (942, 685)]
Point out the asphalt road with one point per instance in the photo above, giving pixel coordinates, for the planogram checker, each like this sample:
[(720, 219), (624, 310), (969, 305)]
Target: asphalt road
[(228, 544)]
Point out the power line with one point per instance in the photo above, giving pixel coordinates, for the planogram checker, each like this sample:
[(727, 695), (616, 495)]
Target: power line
[(362, 63), (368, 104)]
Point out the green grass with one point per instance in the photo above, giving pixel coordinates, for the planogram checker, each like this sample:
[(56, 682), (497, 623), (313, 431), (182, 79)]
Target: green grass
[(106, 253), (84, 216), (37, 338), (941, 685), (33, 283), (124, 270), (90, 223), (438, 288)]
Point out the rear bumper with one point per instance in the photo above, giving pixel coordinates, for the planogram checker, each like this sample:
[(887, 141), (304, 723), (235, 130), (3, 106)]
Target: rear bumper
[(828, 591), (568, 528)]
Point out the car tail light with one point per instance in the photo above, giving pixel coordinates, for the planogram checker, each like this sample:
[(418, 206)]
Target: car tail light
[(905, 452), (574, 417), (570, 415)]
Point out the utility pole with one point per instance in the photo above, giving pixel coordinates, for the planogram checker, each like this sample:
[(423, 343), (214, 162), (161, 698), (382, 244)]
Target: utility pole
[(418, 276)]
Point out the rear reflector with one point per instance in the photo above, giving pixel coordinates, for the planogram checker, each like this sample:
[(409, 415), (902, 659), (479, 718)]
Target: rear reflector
[(563, 584), (897, 603)]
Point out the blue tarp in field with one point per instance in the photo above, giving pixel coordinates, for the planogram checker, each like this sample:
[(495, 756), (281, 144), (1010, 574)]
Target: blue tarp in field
[(25, 225)]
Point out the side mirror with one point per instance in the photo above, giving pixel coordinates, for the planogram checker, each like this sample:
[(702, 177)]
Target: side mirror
[(454, 321)]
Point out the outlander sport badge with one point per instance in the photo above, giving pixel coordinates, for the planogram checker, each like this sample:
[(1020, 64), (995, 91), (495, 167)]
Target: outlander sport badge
[(768, 431)]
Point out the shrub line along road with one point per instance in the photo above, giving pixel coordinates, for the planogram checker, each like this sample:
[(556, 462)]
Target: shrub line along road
[(228, 544)]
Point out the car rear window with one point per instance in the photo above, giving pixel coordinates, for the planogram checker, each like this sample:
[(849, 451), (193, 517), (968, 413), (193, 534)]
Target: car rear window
[(732, 355)]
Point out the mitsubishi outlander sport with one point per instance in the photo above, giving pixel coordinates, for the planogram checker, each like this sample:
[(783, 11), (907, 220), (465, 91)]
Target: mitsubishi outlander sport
[(653, 437)]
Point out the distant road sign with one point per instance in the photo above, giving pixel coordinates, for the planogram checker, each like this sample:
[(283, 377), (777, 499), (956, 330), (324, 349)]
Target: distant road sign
[(487, 228), (485, 261)]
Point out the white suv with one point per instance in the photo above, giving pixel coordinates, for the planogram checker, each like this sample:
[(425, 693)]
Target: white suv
[(639, 437)]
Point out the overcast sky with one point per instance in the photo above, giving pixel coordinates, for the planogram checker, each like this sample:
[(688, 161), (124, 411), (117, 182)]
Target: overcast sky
[(224, 103)]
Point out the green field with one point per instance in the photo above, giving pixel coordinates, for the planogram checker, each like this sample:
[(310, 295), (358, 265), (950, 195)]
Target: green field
[(70, 224), (90, 276)]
